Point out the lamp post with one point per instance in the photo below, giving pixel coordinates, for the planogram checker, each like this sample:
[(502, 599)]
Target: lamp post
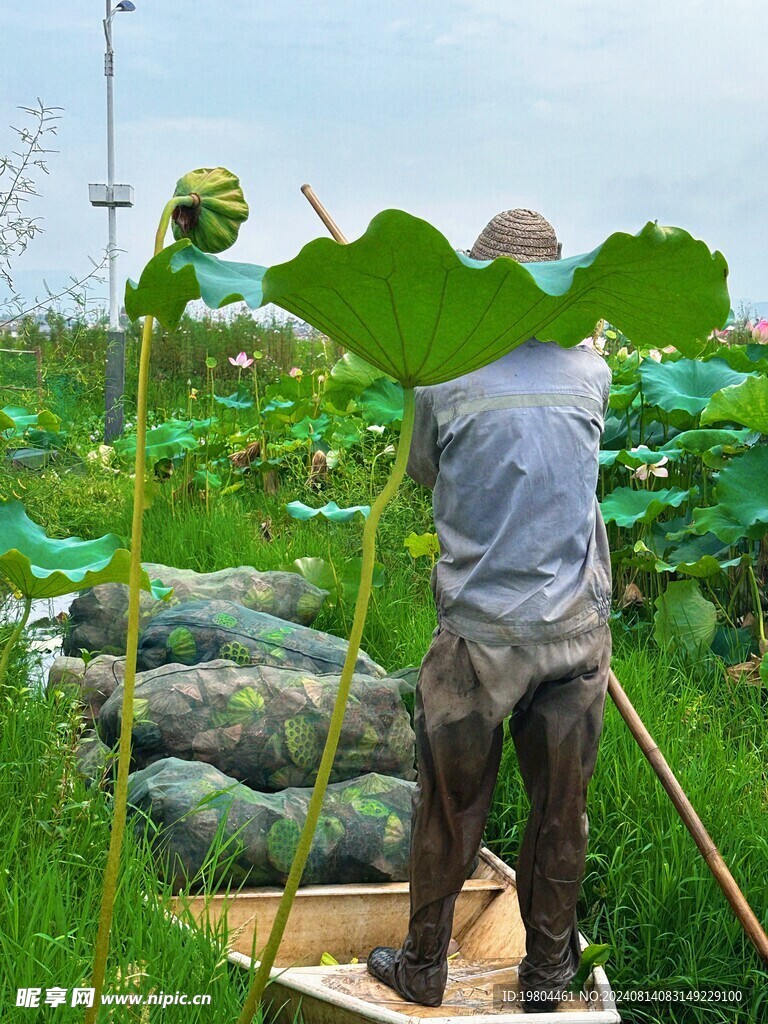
[(113, 195)]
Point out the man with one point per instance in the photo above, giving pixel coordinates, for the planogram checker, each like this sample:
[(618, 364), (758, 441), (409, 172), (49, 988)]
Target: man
[(522, 590)]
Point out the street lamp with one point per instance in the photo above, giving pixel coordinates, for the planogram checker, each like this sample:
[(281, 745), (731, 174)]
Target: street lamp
[(112, 195)]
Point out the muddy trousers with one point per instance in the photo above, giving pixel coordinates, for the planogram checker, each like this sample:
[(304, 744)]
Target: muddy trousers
[(555, 693)]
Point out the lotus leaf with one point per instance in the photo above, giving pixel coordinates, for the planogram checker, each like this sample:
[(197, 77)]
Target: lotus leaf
[(310, 428), (342, 583), (401, 297), (626, 506), (331, 511), (235, 401), (349, 377), (382, 401), (703, 567), (164, 442), (742, 499), (745, 403), (684, 618), (38, 566), (686, 385), (19, 420), (640, 456), (699, 441), (169, 282)]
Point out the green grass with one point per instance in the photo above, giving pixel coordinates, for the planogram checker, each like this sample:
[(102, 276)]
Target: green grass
[(647, 890)]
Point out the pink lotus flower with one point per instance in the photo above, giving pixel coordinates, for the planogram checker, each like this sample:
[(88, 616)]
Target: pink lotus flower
[(760, 332), (296, 371), (241, 360)]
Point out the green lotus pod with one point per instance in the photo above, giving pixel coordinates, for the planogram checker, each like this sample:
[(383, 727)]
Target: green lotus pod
[(242, 707), (370, 808), (235, 651), (181, 644), (282, 840), (307, 607), (225, 619), (261, 599), (302, 742), (212, 225)]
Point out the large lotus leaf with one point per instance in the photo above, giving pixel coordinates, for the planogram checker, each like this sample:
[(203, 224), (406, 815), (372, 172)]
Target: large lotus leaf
[(686, 385), (180, 273), (684, 618), (745, 403), (331, 511), (38, 566), (164, 442), (741, 493), (382, 401), (405, 301), (699, 441), (626, 506)]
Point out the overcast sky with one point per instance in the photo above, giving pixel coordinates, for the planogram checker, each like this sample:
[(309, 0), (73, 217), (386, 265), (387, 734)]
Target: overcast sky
[(602, 115)]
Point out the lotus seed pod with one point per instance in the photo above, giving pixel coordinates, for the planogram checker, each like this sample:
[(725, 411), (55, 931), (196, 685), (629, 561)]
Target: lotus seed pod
[(213, 223)]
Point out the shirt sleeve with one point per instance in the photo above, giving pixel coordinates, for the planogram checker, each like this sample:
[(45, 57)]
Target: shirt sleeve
[(424, 457)]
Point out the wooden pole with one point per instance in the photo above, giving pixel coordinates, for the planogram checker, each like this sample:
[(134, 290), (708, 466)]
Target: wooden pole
[(333, 228), (691, 820), (682, 804)]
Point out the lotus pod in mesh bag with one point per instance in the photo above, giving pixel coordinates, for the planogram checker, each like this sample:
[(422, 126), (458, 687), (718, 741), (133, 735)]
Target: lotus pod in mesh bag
[(262, 725), (195, 815), (98, 617), (199, 631)]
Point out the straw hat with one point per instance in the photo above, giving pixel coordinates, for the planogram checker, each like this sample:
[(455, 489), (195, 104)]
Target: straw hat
[(522, 234)]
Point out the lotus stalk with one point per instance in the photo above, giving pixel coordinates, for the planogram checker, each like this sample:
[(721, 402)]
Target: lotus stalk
[(13, 639), (194, 202), (269, 953)]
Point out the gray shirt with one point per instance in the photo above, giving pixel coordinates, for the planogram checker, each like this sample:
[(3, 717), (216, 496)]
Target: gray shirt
[(511, 453)]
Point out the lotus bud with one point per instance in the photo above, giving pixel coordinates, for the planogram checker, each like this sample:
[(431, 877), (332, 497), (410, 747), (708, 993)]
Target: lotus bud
[(213, 222)]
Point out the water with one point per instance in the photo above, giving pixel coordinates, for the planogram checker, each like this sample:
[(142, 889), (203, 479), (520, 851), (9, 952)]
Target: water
[(44, 634)]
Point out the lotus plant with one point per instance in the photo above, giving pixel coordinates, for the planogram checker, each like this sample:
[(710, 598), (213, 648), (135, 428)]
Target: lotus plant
[(401, 298)]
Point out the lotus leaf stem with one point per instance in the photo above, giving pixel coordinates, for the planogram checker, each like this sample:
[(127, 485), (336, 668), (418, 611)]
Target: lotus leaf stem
[(758, 609), (14, 637), (269, 952), (111, 870)]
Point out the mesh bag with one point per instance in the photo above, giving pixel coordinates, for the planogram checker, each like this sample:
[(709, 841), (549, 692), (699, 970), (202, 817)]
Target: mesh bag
[(205, 630), (196, 816), (98, 617), (264, 726), (93, 682)]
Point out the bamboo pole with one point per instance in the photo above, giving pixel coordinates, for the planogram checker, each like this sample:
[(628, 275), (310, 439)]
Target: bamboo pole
[(709, 851)]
